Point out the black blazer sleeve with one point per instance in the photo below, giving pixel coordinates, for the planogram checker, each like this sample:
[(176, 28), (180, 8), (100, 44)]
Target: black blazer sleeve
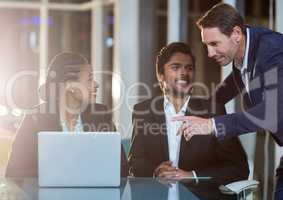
[(23, 157)]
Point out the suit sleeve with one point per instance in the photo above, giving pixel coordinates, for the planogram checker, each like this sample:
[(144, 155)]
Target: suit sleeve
[(139, 164)]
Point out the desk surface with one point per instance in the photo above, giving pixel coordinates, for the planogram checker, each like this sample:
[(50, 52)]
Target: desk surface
[(130, 189)]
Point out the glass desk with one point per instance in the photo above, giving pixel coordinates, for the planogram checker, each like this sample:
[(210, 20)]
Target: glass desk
[(130, 189)]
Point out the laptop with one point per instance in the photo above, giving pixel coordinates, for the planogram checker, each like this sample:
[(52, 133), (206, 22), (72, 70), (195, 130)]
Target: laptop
[(89, 159)]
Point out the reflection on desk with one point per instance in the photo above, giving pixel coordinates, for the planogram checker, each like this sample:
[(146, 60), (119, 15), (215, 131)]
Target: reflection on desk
[(152, 189), (78, 193), (130, 189)]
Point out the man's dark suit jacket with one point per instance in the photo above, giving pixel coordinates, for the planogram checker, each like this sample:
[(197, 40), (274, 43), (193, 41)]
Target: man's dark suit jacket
[(265, 99), (225, 161), (23, 160)]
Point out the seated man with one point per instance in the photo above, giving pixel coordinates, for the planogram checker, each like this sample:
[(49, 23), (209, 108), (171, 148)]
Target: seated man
[(70, 93), (157, 149)]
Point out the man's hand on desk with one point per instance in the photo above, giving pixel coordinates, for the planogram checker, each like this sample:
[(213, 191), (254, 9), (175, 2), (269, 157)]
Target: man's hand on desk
[(164, 166), (194, 126), (176, 175), (166, 171)]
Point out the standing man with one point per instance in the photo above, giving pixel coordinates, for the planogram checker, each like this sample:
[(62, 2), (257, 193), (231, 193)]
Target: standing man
[(156, 148), (257, 57)]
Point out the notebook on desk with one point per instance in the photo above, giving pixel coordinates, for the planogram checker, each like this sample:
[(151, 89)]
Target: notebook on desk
[(89, 159)]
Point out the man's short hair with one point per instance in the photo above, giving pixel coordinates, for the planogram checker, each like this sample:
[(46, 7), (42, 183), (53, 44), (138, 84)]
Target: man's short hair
[(222, 16), (167, 52)]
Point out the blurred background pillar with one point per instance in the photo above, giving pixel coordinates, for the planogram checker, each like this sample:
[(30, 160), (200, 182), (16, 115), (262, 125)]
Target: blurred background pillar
[(134, 52), (100, 56), (177, 28)]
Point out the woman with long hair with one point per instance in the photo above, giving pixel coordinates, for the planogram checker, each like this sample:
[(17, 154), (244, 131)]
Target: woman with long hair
[(69, 95)]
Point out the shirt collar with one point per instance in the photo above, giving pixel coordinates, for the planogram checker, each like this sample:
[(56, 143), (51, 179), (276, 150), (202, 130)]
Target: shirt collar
[(168, 103), (245, 63), (245, 60), (78, 127)]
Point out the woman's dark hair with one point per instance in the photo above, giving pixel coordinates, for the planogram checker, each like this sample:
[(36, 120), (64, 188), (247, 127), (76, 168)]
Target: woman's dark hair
[(167, 52), (222, 16), (64, 67)]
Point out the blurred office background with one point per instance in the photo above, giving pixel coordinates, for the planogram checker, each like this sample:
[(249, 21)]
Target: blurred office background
[(121, 39)]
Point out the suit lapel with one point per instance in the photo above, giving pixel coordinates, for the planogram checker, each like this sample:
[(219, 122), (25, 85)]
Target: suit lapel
[(192, 105), (183, 147), (251, 54), (255, 35), (251, 61), (161, 121), (240, 85)]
